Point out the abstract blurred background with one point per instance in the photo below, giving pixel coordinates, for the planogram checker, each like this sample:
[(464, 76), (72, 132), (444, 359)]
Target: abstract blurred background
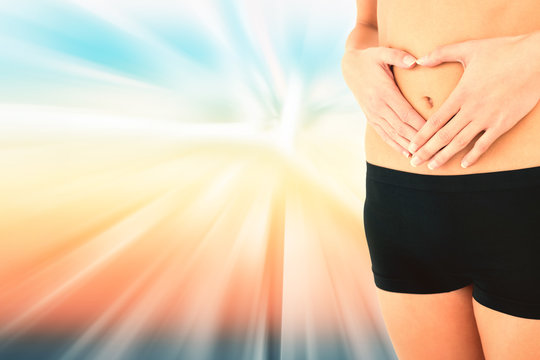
[(182, 180)]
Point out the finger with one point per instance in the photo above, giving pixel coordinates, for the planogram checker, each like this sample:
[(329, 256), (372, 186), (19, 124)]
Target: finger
[(402, 129), (447, 110), (459, 142), (392, 132), (394, 145), (441, 138), (457, 52), (405, 111), (396, 57), (480, 146)]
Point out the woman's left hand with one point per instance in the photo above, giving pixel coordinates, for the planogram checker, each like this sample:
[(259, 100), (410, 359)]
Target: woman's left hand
[(499, 86)]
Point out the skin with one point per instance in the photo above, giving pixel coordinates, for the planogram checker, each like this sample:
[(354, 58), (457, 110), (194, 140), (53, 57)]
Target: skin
[(368, 72), (470, 110), (461, 77), (421, 26), (426, 327)]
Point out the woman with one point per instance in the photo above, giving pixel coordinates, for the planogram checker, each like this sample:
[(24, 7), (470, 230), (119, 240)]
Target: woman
[(453, 231)]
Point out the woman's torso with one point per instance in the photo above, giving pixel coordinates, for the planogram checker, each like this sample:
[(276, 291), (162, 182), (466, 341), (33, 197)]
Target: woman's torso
[(418, 27)]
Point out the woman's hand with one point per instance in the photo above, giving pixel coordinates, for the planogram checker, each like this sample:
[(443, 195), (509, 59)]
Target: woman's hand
[(368, 75), (499, 86)]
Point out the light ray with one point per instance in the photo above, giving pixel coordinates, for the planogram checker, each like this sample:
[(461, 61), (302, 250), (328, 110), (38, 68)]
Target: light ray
[(182, 180)]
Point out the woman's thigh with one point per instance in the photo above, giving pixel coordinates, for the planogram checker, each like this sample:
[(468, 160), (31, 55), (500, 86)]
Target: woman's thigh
[(432, 326), (507, 337)]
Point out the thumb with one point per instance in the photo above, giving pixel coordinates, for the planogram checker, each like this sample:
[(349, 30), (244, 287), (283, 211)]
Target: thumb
[(396, 57), (447, 53)]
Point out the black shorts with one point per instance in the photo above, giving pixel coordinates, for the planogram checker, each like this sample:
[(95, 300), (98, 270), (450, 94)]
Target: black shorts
[(437, 233)]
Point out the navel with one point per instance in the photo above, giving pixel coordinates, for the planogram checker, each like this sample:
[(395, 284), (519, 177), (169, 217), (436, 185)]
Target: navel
[(429, 101)]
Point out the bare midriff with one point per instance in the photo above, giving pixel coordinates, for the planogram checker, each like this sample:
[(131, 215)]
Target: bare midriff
[(419, 26)]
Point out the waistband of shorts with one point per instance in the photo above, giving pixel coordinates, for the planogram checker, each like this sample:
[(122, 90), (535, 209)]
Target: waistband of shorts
[(505, 179)]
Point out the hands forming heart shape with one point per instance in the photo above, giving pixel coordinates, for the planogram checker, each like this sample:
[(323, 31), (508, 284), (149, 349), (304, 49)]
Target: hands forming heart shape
[(500, 85)]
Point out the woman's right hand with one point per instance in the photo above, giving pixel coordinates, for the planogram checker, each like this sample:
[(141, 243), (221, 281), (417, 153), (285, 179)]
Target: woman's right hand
[(368, 75)]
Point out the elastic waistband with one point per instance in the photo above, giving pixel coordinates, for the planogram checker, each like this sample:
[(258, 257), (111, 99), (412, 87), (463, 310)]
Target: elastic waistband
[(506, 179)]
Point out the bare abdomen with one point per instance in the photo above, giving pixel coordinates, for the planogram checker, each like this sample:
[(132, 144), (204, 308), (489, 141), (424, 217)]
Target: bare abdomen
[(419, 29)]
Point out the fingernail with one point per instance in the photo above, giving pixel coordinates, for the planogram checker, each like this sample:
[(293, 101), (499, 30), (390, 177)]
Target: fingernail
[(464, 164), (415, 161), (406, 154), (421, 60), (409, 60), (413, 147), (432, 165)]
